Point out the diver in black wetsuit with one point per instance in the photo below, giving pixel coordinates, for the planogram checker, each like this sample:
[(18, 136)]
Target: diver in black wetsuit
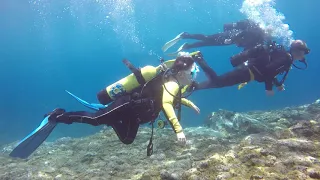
[(261, 63), (130, 109), (245, 34), (126, 104)]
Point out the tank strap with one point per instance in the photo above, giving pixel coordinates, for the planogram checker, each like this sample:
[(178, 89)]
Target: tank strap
[(135, 71)]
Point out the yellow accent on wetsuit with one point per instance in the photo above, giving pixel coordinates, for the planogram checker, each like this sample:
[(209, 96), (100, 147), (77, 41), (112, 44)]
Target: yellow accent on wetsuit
[(167, 104), (245, 83)]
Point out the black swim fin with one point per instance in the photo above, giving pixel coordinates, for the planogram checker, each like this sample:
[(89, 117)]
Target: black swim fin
[(30, 143)]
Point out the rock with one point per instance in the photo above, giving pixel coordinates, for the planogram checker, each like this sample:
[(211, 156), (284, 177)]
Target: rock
[(58, 177), (49, 170), (297, 144), (167, 176), (235, 122), (149, 175), (314, 174), (159, 157), (224, 176), (303, 128), (180, 164), (184, 156), (203, 165), (256, 177), (252, 145)]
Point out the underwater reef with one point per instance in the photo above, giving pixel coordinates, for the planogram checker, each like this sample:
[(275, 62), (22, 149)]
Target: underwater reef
[(281, 144)]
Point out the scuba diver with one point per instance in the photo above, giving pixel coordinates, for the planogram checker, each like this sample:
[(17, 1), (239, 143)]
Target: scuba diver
[(262, 63), (245, 34), (134, 100)]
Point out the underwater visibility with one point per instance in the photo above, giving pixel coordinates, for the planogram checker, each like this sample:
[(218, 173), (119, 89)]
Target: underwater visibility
[(150, 90)]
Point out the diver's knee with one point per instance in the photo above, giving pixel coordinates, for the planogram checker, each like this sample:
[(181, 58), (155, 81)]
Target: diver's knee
[(127, 140)]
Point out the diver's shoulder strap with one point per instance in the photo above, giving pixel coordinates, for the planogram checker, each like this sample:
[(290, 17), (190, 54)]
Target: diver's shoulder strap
[(135, 71)]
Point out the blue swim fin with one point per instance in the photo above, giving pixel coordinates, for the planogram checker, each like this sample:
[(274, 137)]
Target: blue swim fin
[(93, 106), (30, 143)]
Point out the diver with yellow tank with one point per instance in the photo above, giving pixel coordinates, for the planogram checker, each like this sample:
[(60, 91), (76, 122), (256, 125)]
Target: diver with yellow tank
[(134, 100)]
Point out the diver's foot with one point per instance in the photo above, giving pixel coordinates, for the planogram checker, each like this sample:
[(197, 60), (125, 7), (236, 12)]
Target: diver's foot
[(184, 35), (56, 112)]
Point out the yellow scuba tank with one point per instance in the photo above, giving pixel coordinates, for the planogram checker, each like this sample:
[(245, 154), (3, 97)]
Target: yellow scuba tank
[(135, 79), (130, 82)]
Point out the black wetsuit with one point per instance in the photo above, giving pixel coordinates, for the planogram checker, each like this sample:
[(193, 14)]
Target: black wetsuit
[(245, 34), (125, 114), (264, 65)]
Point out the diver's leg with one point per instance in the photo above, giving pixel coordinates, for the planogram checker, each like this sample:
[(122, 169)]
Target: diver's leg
[(210, 73), (200, 37), (219, 39), (124, 123), (238, 75), (78, 117), (240, 25), (126, 129), (102, 116), (128, 122)]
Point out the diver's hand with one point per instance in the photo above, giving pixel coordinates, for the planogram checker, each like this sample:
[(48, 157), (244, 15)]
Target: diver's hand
[(269, 92), (192, 87), (194, 107), (181, 138), (198, 57), (281, 88)]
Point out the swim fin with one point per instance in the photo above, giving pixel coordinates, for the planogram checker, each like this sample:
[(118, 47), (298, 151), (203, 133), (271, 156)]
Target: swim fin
[(171, 42), (94, 106), (30, 143), (179, 50)]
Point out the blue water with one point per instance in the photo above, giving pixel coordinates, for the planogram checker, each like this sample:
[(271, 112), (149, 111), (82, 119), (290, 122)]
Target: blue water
[(47, 47)]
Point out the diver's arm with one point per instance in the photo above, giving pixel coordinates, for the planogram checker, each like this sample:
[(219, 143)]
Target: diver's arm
[(277, 66), (167, 104), (190, 104), (187, 102), (209, 72)]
